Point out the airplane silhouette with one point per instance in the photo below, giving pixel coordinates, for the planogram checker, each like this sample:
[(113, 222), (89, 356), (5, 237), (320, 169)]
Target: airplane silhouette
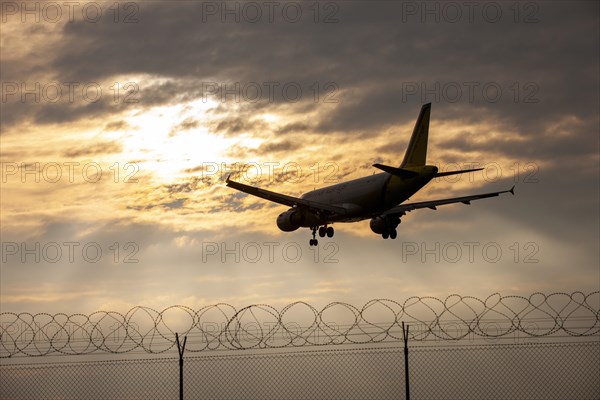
[(378, 196)]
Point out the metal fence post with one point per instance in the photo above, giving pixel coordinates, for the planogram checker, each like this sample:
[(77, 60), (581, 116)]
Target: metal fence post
[(406, 380), (180, 350)]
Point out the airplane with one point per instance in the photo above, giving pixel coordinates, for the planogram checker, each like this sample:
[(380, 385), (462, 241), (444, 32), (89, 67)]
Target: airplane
[(379, 197)]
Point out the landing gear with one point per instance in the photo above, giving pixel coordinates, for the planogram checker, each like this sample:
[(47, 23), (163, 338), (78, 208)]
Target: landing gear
[(326, 230), (323, 231), (391, 233), (314, 241), (330, 231)]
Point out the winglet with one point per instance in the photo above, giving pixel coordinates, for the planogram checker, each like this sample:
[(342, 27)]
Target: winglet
[(512, 190), (227, 179)]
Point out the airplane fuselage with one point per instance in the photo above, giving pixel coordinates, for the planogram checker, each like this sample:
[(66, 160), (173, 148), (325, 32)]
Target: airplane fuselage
[(370, 195)]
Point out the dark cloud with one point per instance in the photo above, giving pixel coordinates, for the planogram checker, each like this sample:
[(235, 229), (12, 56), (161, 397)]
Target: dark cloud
[(117, 126), (398, 147), (571, 141), (235, 126), (174, 204), (294, 127), (192, 183), (237, 152), (93, 150), (185, 125), (235, 202), (559, 201), (279, 146), (41, 111), (404, 60)]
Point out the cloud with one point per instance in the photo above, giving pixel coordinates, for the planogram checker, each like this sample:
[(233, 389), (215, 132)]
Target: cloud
[(519, 94), (117, 125), (237, 125), (281, 146), (94, 150), (293, 127), (371, 95)]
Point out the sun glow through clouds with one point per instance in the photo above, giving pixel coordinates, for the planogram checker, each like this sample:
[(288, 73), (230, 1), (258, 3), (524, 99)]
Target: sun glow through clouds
[(168, 140)]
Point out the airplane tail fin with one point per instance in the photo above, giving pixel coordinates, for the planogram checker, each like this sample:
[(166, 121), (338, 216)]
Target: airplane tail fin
[(416, 153)]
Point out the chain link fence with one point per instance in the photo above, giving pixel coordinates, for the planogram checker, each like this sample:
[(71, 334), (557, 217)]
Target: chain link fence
[(461, 347), (497, 371)]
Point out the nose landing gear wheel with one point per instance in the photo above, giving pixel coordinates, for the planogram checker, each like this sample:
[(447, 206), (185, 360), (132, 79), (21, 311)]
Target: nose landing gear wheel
[(393, 234), (314, 241)]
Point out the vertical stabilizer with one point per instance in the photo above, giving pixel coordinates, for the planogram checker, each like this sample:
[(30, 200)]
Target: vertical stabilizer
[(416, 153)]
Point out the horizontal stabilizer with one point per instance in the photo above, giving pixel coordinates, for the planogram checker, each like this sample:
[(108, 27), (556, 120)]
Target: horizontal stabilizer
[(463, 171), (403, 173)]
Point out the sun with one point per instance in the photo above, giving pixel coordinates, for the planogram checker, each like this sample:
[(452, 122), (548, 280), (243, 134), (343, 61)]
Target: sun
[(167, 141)]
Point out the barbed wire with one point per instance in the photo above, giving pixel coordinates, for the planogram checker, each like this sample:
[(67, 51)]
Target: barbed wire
[(258, 326)]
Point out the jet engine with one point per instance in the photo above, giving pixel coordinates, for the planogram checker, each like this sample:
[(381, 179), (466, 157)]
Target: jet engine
[(295, 218), (378, 225), (384, 224), (289, 221)]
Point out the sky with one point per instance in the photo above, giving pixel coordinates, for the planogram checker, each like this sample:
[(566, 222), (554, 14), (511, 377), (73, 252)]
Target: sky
[(120, 121)]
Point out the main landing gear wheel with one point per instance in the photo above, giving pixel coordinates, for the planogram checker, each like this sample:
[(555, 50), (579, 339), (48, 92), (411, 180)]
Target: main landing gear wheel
[(391, 223), (326, 231), (392, 234)]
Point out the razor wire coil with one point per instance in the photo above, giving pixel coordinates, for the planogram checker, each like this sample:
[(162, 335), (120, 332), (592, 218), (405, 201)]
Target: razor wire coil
[(258, 326)]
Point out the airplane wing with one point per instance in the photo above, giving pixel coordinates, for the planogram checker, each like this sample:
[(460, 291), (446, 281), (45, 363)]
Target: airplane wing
[(402, 209), (284, 199)]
